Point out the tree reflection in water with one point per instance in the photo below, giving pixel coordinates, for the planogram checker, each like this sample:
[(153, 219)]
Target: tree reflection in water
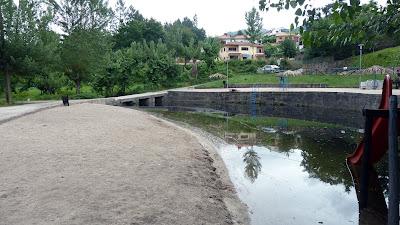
[(252, 164)]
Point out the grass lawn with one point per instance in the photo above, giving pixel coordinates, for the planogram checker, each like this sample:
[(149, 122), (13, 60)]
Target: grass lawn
[(34, 94), (388, 57), (331, 80)]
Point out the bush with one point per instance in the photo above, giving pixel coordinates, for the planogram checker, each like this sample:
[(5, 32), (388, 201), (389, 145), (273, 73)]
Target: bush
[(290, 64), (240, 67), (273, 61)]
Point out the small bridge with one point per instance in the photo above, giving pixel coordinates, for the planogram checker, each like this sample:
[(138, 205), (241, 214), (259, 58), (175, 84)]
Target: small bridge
[(151, 99)]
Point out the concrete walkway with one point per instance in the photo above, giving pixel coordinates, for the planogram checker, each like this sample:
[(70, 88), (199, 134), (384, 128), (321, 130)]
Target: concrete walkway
[(98, 164), (12, 112)]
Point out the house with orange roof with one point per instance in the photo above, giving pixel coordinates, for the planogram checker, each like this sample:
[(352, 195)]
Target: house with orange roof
[(238, 47), (282, 36)]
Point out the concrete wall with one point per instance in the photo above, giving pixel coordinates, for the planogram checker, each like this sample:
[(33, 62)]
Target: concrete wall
[(340, 108), (338, 101)]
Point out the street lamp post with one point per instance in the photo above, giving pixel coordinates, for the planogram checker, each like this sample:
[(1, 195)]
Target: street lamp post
[(361, 51)]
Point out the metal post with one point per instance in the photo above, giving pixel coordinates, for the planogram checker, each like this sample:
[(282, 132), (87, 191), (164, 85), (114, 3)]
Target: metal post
[(365, 162), (393, 218), (361, 49), (227, 75)]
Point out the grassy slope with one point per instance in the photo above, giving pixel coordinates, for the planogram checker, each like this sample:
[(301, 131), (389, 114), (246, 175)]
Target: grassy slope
[(330, 80), (388, 57)]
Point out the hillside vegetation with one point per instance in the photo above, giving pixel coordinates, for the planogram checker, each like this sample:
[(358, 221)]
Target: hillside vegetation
[(389, 57), (333, 81)]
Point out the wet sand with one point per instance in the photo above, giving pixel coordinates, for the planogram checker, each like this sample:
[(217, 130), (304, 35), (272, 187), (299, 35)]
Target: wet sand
[(98, 164)]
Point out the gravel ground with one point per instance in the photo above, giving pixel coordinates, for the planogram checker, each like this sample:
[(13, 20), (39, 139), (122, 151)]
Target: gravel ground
[(98, 164)]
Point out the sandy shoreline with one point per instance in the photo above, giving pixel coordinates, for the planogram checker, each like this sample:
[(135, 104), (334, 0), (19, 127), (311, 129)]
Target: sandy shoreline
[(98, 164)]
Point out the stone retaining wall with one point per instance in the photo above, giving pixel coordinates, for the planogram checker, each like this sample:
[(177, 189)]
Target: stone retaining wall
[(337, 108), (326, 100)]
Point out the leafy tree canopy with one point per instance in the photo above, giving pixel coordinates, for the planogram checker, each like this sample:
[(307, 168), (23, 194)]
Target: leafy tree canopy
[(254, 25)]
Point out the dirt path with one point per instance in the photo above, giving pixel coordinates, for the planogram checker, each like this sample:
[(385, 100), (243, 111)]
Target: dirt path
[(97, 164)]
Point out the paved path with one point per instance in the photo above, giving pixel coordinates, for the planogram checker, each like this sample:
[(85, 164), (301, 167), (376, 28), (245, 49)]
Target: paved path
[(11, 112), (339, 90), (98, 164), (141, 95)]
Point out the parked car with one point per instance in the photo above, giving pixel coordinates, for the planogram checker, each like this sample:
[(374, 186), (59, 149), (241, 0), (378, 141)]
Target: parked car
[(268, 69)]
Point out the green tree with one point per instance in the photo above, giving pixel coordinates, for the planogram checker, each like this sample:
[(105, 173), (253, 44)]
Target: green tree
[(268, 39), (18, 30), (211, 48), (272, 50), (185, 38), (289, 49), (138, 30), (42, 66), (86, 44), (344, 13), (332, 36), (254, 25), (150, 64), (83, 54)]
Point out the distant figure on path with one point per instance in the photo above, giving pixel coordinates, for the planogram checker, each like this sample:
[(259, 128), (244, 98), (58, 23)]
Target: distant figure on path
[(65, 100)]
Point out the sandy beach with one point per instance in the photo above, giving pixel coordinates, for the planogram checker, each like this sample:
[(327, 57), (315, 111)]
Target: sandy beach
[(98, 164)]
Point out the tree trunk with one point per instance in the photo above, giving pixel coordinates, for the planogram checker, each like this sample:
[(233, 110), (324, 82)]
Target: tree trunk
[(7, 87), (78, 87), (194, 70)]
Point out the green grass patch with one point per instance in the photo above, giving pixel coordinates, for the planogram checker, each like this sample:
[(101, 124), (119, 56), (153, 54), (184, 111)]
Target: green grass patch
[(389, 57), (34, 94), (343, 81)]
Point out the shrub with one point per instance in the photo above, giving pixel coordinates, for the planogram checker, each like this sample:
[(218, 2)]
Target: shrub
[(290, 64)]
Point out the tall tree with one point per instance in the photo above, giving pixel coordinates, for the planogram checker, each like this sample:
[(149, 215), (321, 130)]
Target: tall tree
[(289, 49), (137, 30), (185, 38), (254, 25), (86, 43), (211, 48), (42, 66), (83, 15), (18, 29)]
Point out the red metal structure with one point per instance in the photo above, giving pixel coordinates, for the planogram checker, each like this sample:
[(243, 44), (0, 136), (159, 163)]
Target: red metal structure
[(379, 131)]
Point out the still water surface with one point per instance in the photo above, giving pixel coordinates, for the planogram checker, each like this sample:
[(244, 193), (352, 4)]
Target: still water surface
[(287, 171), (294, 180)]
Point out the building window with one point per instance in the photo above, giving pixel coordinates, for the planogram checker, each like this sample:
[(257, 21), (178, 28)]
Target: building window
[(245, 48), (224, 49), (232, 49)]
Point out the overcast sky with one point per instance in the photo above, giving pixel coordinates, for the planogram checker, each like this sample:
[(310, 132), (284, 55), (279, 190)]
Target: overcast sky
[(215, 16)]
